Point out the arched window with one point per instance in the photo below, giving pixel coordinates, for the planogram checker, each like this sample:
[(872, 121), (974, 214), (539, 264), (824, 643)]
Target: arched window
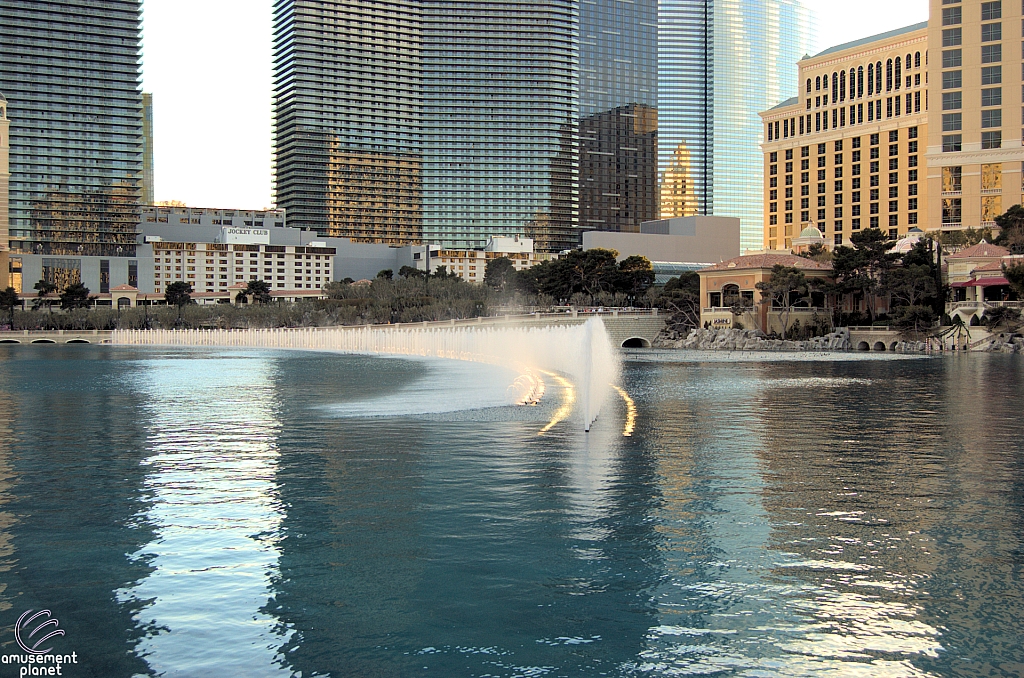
[(842, 86), (906, 63), (808, 85), (860, 82), (888, 75), (899, 72), (917, 60), (817, 84), (853, 83), (835, 88), (871, 79)]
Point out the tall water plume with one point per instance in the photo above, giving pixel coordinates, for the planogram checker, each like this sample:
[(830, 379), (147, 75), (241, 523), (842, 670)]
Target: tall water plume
[(584, 352)]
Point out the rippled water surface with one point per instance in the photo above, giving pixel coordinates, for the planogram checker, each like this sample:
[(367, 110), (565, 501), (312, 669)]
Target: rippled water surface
[(242, 513)]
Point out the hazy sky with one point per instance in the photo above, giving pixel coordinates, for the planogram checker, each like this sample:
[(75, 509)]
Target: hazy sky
[(207, 63)]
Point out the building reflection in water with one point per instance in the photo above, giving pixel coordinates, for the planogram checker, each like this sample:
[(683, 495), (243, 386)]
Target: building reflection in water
[(71, 500), (215, 512)]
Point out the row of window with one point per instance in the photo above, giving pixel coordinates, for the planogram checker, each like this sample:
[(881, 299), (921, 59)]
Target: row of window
[(853, 87), (895, 107)]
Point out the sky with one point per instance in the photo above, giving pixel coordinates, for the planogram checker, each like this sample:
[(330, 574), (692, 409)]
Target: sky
[(208, 65)]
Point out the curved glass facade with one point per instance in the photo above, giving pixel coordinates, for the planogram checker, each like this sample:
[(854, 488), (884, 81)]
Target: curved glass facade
[(500, 102), (70, 72), (407, 120), (720, 63)]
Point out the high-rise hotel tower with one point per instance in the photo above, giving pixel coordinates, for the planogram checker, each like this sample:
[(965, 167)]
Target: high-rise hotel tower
[(437, 120), (70, 72)]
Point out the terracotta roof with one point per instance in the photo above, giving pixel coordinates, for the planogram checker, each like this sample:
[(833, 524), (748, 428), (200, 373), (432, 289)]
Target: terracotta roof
[(753, 261), (125, 288), (982, 249), (991, 266)]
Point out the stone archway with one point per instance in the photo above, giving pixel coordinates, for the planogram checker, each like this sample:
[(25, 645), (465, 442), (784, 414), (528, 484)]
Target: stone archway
[(863, 346), (636, 342), (880, 346)]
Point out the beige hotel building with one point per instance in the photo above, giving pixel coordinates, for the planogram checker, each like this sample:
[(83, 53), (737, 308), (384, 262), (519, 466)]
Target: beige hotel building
[(919, 127), (848, 153)]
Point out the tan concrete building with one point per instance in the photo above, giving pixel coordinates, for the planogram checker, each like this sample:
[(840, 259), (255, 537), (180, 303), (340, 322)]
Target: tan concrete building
[(733, 284), (847, 154), (974, 150)]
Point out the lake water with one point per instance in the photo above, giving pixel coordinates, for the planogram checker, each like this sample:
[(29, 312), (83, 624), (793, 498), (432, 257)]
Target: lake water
[(246, 513)]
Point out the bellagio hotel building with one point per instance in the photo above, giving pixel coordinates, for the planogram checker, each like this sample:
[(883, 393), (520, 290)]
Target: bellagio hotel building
[(862, 146), (849, 152)]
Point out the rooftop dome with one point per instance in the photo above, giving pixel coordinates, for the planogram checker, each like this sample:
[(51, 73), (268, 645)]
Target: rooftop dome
[(811, 232), (907, 242)]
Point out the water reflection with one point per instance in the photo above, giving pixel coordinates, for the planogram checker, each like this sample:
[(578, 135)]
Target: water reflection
[(194, 513), (216, 514), (74, 489)]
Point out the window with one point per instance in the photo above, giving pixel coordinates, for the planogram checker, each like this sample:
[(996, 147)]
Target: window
[(888, 75), (991, 207), (894, 136), (951, 143), (991, 140), (992, 118), (991, 11), (912, 204), (821, 149), (951, 177), (992, 54), (952, 58), (990, 97), (952, 122), (991, 75), (992, 177), (951, 16), (873, 223), (952, 37), (874, 141), (991, 32), (952, 101), (952, 79), (894, 191)]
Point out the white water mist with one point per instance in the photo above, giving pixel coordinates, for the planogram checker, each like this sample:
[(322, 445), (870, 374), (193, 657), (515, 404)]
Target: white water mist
[(583, 352)]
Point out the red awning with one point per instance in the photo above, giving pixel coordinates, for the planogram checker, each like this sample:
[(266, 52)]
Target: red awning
[(991, 282), (969, 283)]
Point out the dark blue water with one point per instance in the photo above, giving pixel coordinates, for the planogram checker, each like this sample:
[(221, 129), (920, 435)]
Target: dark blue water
[(187, 513)]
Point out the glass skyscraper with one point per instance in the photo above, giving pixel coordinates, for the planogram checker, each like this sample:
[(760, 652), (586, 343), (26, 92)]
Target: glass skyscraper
[(406, 120), (619, 118), (70, 72), (720, 62)]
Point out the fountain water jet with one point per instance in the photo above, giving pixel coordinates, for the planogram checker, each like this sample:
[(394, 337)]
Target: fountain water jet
[(584, 352)]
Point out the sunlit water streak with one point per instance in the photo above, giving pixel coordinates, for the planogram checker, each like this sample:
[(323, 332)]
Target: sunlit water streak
[(216, 513)]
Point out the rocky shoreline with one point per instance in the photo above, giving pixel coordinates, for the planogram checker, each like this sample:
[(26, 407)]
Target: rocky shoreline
[(751, 340), (838, 341)]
